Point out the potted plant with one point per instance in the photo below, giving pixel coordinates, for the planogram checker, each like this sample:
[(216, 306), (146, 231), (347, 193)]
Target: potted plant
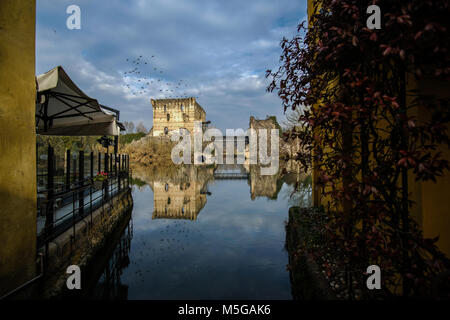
[(99, 180)]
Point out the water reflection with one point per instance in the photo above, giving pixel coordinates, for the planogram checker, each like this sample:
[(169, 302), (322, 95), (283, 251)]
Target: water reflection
[(110, 285), (234, 249), (181, 196)]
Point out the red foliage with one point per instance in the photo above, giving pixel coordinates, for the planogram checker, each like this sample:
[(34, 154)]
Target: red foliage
[(361, 128)]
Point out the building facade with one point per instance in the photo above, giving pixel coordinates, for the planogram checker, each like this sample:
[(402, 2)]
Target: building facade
[(17, 143), (175, 114)]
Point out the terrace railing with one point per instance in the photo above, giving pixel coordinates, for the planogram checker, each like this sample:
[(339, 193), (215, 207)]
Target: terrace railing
[(68, 190)]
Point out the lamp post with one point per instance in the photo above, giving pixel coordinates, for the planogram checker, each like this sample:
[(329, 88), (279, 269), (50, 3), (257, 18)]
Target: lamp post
[(105, 142)]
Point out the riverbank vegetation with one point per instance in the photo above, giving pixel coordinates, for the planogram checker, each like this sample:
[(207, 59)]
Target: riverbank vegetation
[(85, 143), (61, 143), (150, 151)]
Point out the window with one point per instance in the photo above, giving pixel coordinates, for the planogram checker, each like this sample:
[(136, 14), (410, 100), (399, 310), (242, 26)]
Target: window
[(168, 117), (165, 108), (166, 130), (166, 187), (168, 200), (183, 131), (182, 108)]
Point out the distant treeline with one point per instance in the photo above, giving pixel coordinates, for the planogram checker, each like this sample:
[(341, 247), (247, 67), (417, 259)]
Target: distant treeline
[(78, 143), (129, 137), (61, 143)]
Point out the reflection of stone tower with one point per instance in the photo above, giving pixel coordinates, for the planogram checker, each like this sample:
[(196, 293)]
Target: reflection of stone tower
[(177, 200), (263, 185), (181, 195)]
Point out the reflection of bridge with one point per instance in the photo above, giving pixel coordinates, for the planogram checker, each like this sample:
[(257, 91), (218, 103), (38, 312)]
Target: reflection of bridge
[(230, 171), (230, 175)]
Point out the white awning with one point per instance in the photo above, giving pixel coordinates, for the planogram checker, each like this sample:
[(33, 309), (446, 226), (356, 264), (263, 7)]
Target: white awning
[(63, 109)]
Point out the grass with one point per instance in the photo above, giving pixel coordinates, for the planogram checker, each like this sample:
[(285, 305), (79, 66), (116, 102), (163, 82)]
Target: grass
[(130, 137)]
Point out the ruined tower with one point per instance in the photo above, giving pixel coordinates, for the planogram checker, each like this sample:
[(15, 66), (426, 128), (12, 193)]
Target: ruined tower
[(175, 114)]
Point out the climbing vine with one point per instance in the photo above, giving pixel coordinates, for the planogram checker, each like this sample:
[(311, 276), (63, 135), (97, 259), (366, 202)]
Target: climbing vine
[(373, 128)]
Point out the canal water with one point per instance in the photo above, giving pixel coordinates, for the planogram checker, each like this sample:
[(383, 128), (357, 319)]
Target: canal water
[(193, 235)]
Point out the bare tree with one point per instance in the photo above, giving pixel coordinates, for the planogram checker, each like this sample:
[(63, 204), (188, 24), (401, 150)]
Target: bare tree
[(293, 118), (129, 126), (141, 128), (125, 124)]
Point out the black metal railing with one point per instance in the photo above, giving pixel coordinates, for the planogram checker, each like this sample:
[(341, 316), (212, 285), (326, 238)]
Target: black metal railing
[(66, 199)]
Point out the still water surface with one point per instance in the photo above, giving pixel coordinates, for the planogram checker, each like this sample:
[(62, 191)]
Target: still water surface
[(195, 237)]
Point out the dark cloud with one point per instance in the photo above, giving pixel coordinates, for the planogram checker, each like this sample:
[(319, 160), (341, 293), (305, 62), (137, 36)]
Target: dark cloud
[(220, 49)]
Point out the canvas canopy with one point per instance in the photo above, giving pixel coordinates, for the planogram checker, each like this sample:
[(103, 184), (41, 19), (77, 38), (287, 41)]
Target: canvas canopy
[(63, 109)]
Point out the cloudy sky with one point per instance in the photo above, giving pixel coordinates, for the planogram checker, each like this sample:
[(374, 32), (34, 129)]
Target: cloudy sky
[(216, 50)]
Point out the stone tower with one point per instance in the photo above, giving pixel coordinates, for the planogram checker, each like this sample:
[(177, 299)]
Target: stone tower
[(174, 114)]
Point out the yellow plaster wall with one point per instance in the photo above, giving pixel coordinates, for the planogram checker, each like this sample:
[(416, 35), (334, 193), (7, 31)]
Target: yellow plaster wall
[(434, 198), (17, 143)]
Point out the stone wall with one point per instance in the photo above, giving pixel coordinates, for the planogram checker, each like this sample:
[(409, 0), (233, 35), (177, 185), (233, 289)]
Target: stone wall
[(307, 280), (175, 114), (91, 235), (289, 145)]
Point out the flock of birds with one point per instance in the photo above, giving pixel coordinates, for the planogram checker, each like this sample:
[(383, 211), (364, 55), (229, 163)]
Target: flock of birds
[(138, 83), (144, 77)]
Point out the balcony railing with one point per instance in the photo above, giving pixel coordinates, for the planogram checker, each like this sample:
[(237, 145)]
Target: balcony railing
[(68, 192)]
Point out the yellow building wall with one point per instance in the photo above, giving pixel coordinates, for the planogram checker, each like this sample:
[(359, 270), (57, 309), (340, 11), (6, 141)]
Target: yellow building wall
[(17, 143), (433, 199), (435, 215)]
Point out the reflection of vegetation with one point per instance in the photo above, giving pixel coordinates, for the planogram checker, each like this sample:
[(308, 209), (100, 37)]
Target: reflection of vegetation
[(152, 173), (264, 185), (110, 285), (130, 137), (279, 184), (269, 186), (307, 182), (299, 193), (178, 174), (138, 182)]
